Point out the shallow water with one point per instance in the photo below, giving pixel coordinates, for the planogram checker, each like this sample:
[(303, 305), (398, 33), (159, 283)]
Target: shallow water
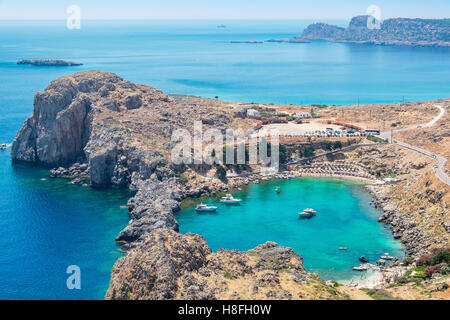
[(344, 219)]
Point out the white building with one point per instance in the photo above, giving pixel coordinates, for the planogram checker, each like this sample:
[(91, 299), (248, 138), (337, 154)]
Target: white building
[(252, 113), (302, 115)]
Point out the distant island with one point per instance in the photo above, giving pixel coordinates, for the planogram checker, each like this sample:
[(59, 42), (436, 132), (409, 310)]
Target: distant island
[(49, 63), (398, 31)]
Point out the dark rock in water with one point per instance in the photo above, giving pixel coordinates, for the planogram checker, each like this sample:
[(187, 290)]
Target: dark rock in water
[(49, 63), (150, 222)]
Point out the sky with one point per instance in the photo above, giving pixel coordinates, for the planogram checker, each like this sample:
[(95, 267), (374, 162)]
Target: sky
[(220, 9)]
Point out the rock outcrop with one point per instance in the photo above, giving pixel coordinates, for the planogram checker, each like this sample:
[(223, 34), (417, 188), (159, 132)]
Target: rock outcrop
[(94, 127), (398, 31), (168, 265)]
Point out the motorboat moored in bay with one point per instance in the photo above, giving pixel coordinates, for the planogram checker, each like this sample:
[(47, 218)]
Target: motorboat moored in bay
[(228, 199), (360, 268), (386, 256), (363, 259), (307, 213), (205, 208)]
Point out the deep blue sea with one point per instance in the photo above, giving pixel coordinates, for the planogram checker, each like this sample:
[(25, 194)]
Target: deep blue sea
[(48, 225)]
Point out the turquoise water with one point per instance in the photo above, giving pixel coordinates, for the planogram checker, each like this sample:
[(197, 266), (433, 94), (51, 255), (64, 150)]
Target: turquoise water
[(344, 219), (48, 225)]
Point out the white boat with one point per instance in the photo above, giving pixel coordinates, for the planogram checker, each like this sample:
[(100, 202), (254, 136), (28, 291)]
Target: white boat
[(3, 146), (228, 199), (342, 248), (205, 208), (307, 213), (360, 268), (386, 256)]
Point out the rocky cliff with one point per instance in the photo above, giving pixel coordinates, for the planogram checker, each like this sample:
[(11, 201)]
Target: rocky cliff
[(98, 127), (399, 31), (169, 265)]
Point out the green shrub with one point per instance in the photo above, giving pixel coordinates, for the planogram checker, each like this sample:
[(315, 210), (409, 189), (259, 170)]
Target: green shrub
[(441, 257), (221, 172), (379, 294), (445, 269)]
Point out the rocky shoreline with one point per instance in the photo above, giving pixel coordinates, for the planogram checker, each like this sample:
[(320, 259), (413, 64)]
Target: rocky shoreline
[(96, 128), (401, 224)]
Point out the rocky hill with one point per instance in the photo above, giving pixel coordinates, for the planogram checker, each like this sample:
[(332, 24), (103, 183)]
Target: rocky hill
[(169, 265), (398, 31)]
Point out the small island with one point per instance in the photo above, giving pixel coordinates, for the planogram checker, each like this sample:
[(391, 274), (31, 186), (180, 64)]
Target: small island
[(49, 63)]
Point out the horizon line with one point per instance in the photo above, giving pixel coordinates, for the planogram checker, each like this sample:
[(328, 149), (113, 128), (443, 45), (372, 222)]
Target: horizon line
[(212, 19)]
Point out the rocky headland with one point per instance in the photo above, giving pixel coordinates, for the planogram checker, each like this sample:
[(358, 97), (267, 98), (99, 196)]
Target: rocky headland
[(49, 63), (98, 129), (398, 31)]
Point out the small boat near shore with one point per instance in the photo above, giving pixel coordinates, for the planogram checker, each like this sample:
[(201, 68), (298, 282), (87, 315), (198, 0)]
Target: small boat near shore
[(3, 146), (386, 256), (228, 199), (360, 268), (205, 208), (363, 259), (278, 190)]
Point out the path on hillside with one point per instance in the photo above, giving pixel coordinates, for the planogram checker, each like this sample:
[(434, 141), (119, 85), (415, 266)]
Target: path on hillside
[(439, 167)]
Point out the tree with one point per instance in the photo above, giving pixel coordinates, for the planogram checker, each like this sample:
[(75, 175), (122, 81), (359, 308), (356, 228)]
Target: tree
[(326, 145), (337, 145), (221, 172), (306, 151)]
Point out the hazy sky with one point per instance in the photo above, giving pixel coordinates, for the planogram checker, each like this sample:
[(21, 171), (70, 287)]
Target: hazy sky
[(223, 9)]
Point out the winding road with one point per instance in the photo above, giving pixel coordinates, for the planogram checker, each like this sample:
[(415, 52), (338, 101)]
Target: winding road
[(439, 167)]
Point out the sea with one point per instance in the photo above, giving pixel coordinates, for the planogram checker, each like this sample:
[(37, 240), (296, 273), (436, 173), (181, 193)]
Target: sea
[(48, 225)]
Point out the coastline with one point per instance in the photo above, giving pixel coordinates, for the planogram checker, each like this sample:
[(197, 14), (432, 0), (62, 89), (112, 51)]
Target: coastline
[(158, 187)]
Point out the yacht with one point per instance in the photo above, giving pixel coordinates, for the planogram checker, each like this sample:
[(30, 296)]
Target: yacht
[(228, 199), (205, 208), (307, 213)]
